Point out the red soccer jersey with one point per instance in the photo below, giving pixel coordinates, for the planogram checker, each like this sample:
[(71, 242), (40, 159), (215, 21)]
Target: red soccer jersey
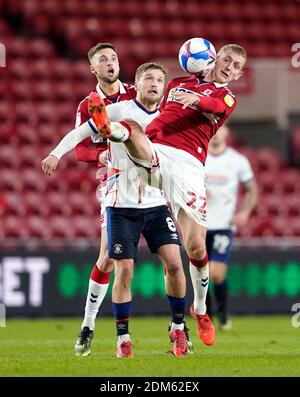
[(87, 150), (189, 129)]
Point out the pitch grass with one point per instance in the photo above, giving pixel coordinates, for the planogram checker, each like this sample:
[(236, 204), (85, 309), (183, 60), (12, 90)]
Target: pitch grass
[(258, 346)]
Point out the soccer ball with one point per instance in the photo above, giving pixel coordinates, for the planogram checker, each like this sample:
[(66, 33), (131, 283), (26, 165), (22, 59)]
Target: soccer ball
[(197, 55)]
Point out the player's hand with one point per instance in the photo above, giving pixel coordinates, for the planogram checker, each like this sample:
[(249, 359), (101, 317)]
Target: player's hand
[(102, 158), (49, 164), (186, 99), (241, 218)]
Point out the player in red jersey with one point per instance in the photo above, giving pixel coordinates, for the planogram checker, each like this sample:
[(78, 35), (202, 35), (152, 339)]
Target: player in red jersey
[(192, 111), (104, 64)]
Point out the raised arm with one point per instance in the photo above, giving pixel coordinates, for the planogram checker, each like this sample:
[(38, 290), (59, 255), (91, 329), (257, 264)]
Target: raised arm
[(68, 143)]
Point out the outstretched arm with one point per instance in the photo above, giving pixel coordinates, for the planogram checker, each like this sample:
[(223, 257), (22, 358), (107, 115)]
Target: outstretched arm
[(68, 143)]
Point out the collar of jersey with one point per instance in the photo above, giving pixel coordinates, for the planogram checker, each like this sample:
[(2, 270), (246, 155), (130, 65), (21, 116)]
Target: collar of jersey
[(101, 93), (143, 108)]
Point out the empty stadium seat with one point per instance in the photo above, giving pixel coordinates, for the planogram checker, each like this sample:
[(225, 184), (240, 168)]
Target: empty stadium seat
[(42, 88)]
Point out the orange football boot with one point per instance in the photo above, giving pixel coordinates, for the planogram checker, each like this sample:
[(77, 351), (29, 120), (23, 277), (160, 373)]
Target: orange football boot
[(179, 343), (205, 327), (97, 111), (125, 350)]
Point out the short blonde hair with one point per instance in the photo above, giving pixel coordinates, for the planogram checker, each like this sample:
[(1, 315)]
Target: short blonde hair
[(236, 48)]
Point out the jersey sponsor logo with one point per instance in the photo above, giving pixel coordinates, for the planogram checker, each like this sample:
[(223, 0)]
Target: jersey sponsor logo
[(229, 100), (118, 249), (173, 91)]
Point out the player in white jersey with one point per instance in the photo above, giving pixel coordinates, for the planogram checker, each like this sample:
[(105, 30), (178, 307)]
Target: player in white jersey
[(134, 209), (225, 170)]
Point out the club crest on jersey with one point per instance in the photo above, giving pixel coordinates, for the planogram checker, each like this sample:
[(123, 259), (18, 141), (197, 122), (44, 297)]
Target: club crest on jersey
[(118, 248)]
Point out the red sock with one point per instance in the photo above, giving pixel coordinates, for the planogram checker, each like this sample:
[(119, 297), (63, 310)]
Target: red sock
[(99, 276), (199, 262)]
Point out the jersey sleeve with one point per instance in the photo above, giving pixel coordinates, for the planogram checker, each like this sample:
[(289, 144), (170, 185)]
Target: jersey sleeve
[(86, 150), (228, 100), (82, 114)]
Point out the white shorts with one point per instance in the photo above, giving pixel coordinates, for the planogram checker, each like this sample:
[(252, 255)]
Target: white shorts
[(182, 177)]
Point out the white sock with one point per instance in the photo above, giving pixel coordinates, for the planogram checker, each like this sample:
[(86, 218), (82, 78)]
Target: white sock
[(119, 133), (200, 279), (95, 296), (177, 326), (123, 338)]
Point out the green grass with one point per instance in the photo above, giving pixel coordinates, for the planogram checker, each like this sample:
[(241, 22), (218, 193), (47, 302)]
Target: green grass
[(258, 346)]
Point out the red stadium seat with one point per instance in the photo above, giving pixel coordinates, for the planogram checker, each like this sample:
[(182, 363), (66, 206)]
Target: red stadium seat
[(14, 204), (14, 227), (43, 91), (10, 181), (19, 48), (60, 227), (80, 206), (266, 228), (22, 91), (61, 69), (82, 72), (46, 113), (34, 204), (55, 184), (8, 135), (63, 91), (85, 227), (38, 227), (268, 160), (8, 157), (290, 180), (292, 203), (20, 69), (59, 204), (47, 135), (32, 180), (41, 48)]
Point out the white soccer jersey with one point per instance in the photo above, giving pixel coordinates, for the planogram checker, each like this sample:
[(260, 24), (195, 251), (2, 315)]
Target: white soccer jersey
[(224, 172), (124, 185)]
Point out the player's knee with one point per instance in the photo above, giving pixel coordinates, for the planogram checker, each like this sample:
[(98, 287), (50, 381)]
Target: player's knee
[(124, 273), (196, 250), (174, 267), (217, 277), (105, 264)]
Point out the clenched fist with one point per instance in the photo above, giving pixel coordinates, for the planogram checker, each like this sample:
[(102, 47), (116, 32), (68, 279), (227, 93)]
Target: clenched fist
[(49, 164)]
